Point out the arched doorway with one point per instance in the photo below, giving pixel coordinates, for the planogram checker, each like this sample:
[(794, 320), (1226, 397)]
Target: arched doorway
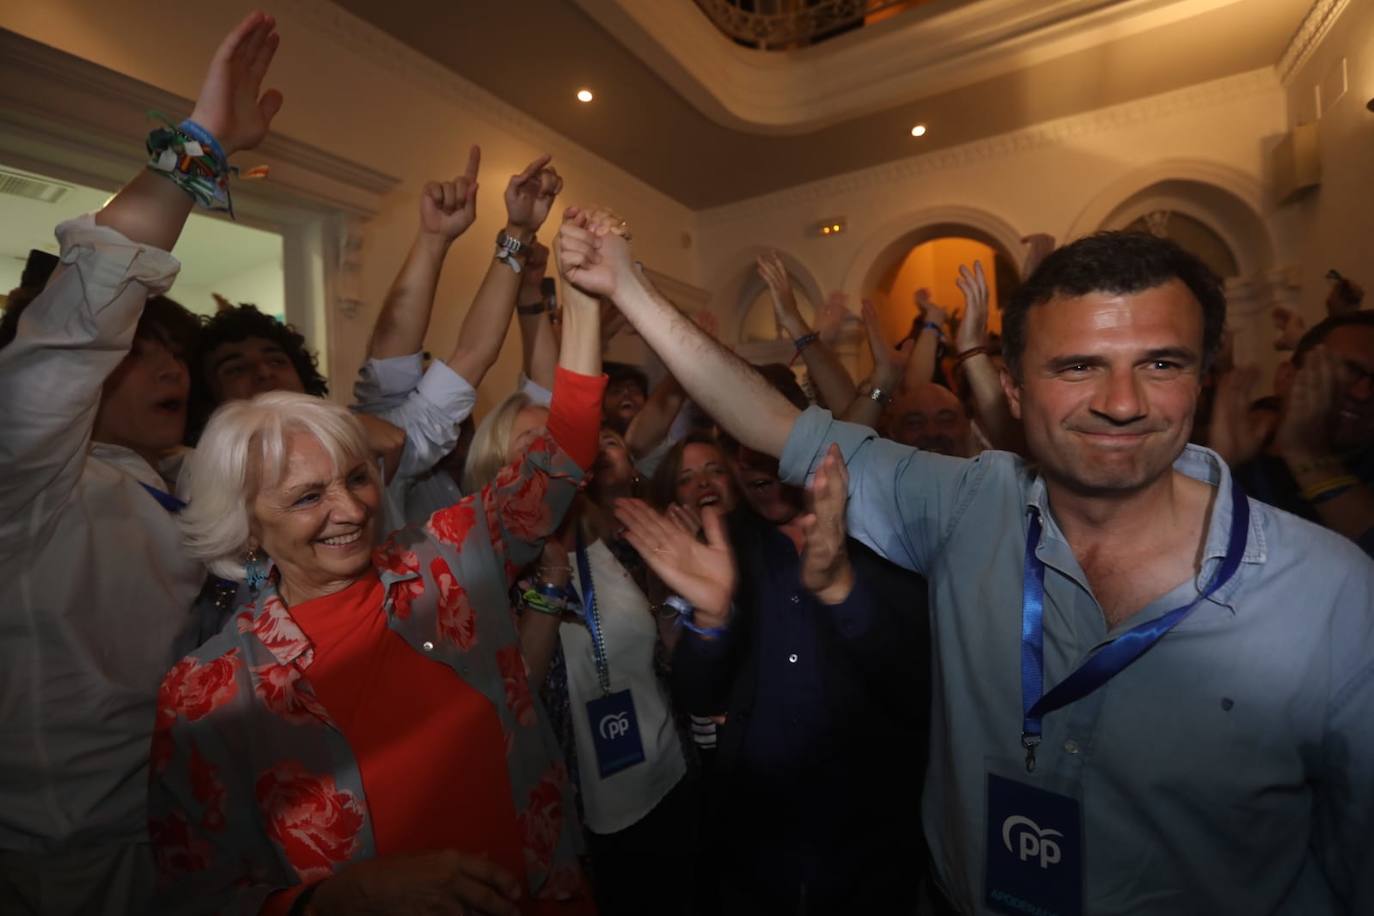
[(1215, 213), (929, 257)]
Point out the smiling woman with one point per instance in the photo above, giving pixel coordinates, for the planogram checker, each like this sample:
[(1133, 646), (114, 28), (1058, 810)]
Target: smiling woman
[(326, 675)]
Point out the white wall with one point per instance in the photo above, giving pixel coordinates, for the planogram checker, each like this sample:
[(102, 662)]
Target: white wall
[(1336, 221), (260, 285), (352, 90), (1064, 177), (1041, 179)]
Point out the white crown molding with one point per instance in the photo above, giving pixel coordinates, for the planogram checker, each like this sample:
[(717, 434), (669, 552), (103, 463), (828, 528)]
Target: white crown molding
[(932, 49), (56, 97), (391, 55), (905, 171), (1308, 36)]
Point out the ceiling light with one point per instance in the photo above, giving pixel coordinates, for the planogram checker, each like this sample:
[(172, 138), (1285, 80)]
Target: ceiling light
[(919, 130), (831, 226), (584, 95)]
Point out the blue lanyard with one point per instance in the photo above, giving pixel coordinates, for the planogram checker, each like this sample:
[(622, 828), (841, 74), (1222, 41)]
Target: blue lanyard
[(1117, 655), (168, 501), (590, 616)]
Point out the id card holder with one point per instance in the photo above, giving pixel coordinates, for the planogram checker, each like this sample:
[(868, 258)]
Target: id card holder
[(615, 732), (1033, 849)]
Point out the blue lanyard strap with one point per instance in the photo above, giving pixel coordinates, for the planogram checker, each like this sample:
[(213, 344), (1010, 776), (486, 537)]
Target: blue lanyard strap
[(168, 501), (1115, 656), (590, 616)]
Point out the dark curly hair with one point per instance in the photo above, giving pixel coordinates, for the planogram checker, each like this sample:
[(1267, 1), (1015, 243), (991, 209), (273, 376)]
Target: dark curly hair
[(236, 324), (1114, 262)]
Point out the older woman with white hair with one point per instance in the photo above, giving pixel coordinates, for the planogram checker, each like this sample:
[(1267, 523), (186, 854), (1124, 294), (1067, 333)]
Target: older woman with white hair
[(362, 737)]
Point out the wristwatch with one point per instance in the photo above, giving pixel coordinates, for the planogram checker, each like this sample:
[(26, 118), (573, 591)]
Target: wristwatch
[(508, 250)]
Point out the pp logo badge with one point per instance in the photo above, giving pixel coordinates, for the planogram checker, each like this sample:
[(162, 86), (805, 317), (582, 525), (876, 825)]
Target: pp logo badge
[(614, 726), (1033, 841)]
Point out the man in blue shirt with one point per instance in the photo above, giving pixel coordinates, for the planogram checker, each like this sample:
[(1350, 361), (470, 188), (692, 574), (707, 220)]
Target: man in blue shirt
[(1152, 695)]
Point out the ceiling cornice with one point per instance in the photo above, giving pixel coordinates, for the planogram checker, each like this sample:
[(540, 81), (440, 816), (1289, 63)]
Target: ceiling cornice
[(1204, 95), (398, 58), (923, 52), (1308, 36)]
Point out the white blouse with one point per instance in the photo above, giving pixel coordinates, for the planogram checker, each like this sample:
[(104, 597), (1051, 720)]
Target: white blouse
[(630, 633)]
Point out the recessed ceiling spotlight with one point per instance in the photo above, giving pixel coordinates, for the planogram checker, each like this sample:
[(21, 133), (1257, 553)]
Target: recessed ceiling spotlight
[(919, 130), (584, 95)]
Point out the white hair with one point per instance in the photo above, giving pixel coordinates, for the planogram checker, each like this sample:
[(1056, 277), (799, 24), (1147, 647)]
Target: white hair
[(242, 450)]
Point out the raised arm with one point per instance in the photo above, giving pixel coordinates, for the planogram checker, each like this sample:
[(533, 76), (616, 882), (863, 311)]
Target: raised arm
[(538, 343), (597, 260), (989, 400), (152, 210), (655, 420), (831, 380), (78, 330), (920, 368), (447, 209), (529, 498), (889, 364), (529, 196)]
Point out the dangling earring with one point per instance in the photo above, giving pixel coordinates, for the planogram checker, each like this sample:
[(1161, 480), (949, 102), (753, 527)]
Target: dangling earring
[(255, 570)]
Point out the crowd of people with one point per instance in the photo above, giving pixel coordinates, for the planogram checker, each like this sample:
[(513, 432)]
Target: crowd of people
[(1062, 620)]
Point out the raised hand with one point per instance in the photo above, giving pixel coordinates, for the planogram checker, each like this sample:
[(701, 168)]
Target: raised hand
[(1234, 433), (826, 571), (833, 313), (927, 309), (973, 327), (785, 312), (432, 882), (889, 362), (1309, 410), (229, 105), (593, 251), (448, 208), (702, 573), (530, 195)]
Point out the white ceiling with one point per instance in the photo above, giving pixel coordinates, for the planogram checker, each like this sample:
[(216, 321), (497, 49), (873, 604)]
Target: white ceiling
[(212, 250)]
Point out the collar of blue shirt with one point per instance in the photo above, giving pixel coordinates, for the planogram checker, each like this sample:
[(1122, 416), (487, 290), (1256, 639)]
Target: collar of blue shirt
[(1200, 464)]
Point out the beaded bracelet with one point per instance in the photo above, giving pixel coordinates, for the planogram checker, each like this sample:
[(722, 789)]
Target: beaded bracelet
[(806, 340), (198, 168)]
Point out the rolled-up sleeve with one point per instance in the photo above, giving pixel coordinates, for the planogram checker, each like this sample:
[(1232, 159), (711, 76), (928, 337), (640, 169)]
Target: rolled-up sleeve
[(901, 500), (387, 382), (429, 415), (69, 340), (536, 392)]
